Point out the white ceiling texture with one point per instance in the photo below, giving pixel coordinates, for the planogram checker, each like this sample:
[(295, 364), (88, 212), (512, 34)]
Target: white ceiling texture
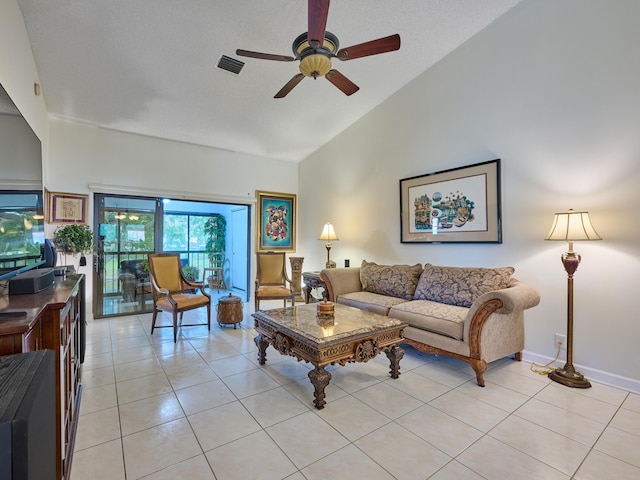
[(150, 66)]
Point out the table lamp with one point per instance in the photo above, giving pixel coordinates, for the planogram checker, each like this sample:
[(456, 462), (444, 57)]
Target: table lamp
[(571, 226), (328, 235)]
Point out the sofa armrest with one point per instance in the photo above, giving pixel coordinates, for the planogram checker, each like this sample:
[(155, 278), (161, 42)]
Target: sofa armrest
[(516, 297), (340, 281), (508, 305)]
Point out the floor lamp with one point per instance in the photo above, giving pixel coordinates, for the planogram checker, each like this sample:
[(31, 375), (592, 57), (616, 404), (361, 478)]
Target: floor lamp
[(328, 235), (570, 227)]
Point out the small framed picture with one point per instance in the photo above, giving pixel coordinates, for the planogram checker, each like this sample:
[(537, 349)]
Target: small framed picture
[(67, 207), (452, 206), (276, 222)]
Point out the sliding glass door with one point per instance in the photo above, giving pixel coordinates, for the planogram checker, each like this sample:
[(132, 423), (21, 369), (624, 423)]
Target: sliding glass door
[(126, 231), (129, 228)]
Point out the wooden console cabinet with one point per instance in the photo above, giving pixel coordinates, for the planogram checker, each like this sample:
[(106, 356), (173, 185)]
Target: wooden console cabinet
[(54, 320)]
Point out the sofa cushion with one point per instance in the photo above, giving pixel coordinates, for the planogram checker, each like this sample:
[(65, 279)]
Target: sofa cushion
[(371, 302), (460, 285), (434, 317), (394, 280)]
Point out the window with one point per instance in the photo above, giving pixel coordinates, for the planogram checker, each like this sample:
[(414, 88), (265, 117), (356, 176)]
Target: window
[(184, 233)]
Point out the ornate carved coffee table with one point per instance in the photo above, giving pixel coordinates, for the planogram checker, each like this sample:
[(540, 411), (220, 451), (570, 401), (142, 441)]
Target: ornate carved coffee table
[(353, 336)]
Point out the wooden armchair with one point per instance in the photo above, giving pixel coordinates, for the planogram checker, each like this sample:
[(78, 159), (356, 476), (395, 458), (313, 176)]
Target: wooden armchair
[(272, 279), (168, 285)]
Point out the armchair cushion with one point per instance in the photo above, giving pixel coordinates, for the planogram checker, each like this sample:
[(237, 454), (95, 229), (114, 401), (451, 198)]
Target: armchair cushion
[(398, 281), (460, 286), (185, 301), (273, 290)]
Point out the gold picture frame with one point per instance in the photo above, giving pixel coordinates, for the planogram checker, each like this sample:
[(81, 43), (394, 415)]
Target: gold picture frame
[(275, 221), (65, 208)]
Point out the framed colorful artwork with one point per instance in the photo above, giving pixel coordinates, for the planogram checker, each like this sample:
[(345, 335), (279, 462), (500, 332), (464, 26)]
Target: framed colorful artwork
[(452, 206), (276, 222), (67, 207)]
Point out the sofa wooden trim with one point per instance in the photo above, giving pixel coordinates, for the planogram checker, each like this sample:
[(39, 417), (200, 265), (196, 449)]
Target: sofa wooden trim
[(475, 334)]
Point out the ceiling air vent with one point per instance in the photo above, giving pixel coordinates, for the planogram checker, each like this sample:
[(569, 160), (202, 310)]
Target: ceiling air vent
[(230, 64)]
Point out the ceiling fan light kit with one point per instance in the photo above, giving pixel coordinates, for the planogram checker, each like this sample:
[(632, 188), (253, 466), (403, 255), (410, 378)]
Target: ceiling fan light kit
[(315, 66), (316, 47), (315, 62)]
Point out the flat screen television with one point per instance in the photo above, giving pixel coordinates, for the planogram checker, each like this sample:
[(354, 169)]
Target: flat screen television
[(21, 198), (22, 243)]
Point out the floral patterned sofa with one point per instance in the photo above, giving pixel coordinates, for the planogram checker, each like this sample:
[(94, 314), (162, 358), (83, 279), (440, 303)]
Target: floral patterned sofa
[(474, 314)]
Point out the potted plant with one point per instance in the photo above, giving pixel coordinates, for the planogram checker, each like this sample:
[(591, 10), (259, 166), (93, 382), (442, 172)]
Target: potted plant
[(216, 230), (76, 238)]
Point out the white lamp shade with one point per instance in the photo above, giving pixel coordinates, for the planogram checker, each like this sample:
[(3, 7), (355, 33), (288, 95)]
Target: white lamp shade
[(328, 233), (572, 226)]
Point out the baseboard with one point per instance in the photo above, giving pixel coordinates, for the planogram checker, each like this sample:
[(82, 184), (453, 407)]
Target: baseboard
[(594, 374)]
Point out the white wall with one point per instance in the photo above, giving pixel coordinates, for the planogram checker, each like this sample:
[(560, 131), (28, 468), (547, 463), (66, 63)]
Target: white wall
[(551, 88), (20, 155), (18, 71)]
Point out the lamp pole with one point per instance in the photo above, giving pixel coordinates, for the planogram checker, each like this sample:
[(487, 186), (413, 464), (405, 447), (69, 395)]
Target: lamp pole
[(568, 375)]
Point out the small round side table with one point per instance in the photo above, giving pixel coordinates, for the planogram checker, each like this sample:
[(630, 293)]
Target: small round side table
[(229, 310)]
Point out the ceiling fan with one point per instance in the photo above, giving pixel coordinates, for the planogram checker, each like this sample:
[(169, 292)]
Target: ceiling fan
[(316, 47)]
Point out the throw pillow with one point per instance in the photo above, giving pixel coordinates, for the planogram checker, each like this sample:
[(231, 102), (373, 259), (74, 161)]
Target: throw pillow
[(460, 285), (394, 280)]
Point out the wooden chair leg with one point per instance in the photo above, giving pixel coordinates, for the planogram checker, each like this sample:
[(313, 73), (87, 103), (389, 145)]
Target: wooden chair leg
[(209, 316), (175, 327), (257, 304), (153, 320)]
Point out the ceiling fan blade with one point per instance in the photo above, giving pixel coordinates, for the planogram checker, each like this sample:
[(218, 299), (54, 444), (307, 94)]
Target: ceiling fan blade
[(318, 11), (374, 47), (264, 56), (289, 86), (342, 82)]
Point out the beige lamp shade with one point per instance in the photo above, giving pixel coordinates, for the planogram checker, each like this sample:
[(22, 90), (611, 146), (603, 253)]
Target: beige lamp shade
[(572, 226), (328, 233)]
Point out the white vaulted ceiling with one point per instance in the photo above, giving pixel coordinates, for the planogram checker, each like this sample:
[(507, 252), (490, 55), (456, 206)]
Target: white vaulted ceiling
[(149, 66)]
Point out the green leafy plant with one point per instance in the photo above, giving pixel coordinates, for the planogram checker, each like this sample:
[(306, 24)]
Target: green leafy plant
[(191, 272), (76, 238), (216, 230)]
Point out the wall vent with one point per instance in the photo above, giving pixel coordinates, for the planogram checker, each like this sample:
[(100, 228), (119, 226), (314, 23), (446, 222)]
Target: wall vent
[(230, 64)]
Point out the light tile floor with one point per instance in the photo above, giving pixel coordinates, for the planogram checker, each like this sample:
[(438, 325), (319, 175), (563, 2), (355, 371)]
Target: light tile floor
[(205, 409)]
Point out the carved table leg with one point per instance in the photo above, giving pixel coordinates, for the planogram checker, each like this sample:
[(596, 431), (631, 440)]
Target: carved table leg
[(395, 354), (307, 293), (320, 378), (262, 345)]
